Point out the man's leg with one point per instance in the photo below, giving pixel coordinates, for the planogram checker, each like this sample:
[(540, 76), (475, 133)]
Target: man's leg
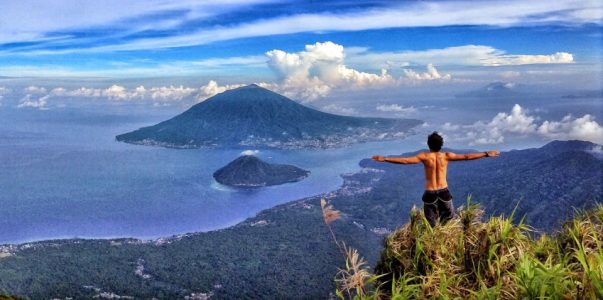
[(445, 206), (430, 208)]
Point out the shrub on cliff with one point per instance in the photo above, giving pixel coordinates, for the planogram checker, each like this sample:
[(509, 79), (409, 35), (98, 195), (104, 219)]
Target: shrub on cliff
[(473, 259)]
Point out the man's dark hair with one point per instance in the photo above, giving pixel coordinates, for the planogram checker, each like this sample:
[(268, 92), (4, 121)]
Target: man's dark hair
[(435, 141)]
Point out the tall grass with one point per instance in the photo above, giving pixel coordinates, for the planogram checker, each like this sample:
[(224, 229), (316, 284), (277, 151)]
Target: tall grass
[(473, 259)]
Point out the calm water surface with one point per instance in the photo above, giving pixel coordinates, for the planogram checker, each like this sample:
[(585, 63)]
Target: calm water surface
[(62, 175)]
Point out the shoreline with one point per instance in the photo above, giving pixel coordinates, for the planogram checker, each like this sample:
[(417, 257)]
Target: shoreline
[(162, 239), (150, 240)]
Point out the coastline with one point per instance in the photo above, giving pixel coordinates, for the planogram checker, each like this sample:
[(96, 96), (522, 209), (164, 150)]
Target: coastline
[(345, 187)]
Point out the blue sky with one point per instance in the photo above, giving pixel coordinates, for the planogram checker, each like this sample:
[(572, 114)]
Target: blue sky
[(136, 38), (333, 55)]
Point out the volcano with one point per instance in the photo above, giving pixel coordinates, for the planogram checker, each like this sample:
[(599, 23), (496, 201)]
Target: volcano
[(252, 116)]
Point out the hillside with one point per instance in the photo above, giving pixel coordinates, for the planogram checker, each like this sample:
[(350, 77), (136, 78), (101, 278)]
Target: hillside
[(252, 116), (286, 251), (469, 258), (250, 171), (544, 183)]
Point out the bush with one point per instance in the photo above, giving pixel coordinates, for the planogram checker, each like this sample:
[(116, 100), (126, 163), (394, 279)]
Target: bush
[(497, 259)]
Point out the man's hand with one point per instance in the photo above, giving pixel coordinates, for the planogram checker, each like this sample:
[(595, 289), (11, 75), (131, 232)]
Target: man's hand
[(493, 153), (378, 158)]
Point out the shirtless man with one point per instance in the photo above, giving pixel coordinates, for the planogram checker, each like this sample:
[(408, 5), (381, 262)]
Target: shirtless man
[(437, 200)]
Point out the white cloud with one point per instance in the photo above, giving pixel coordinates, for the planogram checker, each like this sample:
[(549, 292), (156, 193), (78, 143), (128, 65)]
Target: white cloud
[(598, 150), (30, 101), (250, 152), (467, 55), (121, 93), (171, 93), (116, 92), (345, 64), (450, 127), (80, 92), (160, 95), (32, 89), (31, 20), (213, 88), (505, 60), (431, 74), (317, 70), (396, 108), (521, 122), (50, 17), (569, 128), (338, 109), (510, 74)]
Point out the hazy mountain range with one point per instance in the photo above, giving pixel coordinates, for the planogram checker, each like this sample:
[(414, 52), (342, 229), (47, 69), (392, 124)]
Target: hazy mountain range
[(497, 89)]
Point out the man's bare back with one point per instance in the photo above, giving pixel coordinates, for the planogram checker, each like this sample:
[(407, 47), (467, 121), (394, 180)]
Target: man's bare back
[(435, 165)]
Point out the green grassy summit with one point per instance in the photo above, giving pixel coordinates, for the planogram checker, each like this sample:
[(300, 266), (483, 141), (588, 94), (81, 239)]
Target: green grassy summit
[(468, 258)]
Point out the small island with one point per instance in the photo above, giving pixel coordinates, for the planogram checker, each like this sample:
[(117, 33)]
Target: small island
[(248, 171)]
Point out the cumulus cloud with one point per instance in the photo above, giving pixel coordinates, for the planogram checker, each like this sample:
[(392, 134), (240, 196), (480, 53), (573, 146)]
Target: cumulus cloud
[(212, 88), (34, 102), (314, 72), (34, 90), (569, 128), (320, 68), (165, 93), (521, 122), (250, 152), (118, 92), (80, 92), (159, 95), (431, 74), (396, 108)]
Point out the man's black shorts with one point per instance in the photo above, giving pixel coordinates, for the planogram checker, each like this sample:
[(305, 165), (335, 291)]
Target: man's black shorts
[(438, 205)]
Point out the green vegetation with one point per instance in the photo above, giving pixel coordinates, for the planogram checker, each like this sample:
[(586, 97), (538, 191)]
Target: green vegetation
[(470, 259)]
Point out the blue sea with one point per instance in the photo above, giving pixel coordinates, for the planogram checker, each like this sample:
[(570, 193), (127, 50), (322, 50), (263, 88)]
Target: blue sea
[(63, 175)]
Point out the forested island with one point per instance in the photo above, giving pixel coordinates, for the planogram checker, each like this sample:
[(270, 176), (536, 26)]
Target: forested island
[(248, 171), (252, 116)]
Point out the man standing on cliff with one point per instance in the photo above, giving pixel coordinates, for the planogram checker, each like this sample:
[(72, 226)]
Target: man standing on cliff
[(437, 200)]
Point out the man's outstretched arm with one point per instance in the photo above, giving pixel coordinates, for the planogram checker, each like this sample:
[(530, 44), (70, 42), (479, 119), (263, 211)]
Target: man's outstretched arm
[(398, 160), (471, 156)]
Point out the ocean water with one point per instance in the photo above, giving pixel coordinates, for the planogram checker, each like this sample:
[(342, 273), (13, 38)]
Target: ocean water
[(62, 175)]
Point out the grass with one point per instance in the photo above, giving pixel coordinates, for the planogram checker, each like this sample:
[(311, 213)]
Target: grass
[(468, 258)]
